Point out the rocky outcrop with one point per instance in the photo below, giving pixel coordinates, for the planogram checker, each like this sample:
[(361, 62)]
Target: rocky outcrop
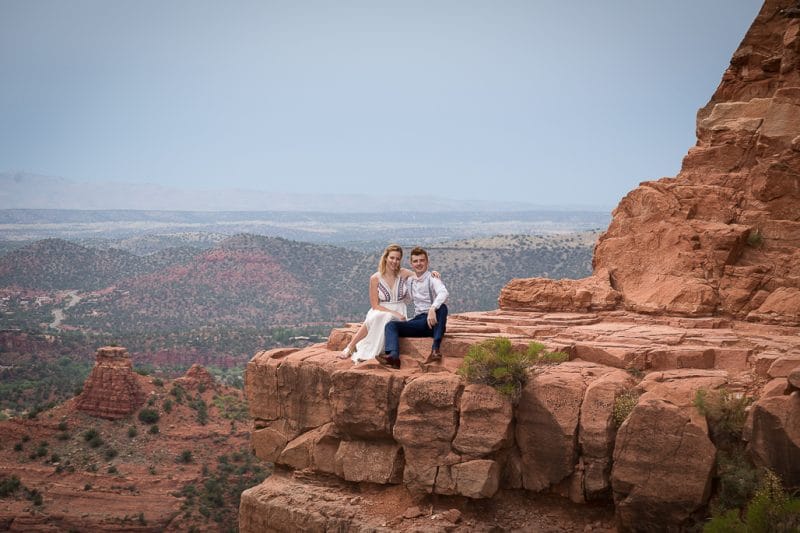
[(723, 237), (427, 429), (111, 391), (197, 377)]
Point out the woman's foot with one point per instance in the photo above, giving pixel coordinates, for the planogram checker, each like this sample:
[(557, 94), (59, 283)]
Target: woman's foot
[(346, 353)]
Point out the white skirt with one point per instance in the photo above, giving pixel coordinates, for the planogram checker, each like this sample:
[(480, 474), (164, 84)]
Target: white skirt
[(375, 341)]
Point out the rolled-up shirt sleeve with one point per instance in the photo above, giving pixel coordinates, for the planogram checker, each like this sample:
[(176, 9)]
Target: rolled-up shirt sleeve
[(441, 293)]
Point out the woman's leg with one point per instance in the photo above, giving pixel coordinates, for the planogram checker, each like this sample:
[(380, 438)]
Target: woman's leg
[(360, 334), (351, 346)]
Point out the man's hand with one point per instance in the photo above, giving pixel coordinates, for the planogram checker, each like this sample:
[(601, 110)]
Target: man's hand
[(432, 318)]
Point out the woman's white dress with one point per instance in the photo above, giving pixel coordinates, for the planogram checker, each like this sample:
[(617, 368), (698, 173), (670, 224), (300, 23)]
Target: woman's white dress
[(393, 298)]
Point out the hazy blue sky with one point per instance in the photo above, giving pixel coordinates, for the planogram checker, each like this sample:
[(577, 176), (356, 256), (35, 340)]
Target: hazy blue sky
[(550, 102)]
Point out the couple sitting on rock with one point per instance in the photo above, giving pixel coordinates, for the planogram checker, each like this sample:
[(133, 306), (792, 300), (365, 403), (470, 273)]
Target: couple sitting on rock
[(390, 289)]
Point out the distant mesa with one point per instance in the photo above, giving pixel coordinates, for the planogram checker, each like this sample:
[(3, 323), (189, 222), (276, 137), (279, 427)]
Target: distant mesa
[(111, 391)]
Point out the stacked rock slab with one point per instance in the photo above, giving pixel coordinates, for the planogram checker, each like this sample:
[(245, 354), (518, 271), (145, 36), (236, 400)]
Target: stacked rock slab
[(696, 285), (723, 237), (111, 391)]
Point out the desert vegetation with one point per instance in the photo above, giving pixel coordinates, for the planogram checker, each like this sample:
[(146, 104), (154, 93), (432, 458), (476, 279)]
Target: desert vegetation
[(497, 362)]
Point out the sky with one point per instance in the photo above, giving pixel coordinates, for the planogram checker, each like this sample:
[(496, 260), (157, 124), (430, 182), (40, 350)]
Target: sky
[(550, 102)]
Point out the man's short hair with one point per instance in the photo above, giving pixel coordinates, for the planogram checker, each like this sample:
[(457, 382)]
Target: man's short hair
[(418, 251)]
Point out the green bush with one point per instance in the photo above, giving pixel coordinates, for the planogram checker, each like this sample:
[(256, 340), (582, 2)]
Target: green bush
[(725, 413), (167, 405), (738, 481), (495, 362), (149, 416), (623, 406), (8, 486), (185, 457), (770, 510), (199, 405), (132, 432), (153, 429), (35, 496), (179, 393), (755, 239)]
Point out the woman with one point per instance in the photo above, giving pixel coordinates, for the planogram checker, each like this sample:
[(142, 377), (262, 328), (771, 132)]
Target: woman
[(388, 295)]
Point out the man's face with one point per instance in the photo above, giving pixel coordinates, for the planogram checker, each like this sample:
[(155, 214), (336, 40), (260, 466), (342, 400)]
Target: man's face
[(419, 263)]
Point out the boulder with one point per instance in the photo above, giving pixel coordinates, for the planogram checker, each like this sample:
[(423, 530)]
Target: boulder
[(365, 401), (774, 436), (663, 463), (315, 449), (375, 462), (268, 439), (783, 366), (663, 455), (284, 503), (597, 431), (427, 421), (476, 479), (485, 424), (588, 294), (547, 424)]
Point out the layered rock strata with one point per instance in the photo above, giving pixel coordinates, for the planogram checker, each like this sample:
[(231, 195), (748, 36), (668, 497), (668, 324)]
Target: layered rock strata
[(723, 237), (425, 428), (111, 391)]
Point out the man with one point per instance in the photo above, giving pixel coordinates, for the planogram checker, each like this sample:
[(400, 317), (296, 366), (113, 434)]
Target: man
[(429, 295)]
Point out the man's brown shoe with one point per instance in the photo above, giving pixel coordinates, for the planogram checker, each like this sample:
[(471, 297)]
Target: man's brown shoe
[(434, 357), (393, 362)]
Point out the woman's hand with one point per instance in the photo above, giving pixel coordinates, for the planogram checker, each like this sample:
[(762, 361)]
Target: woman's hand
[(435, 274)]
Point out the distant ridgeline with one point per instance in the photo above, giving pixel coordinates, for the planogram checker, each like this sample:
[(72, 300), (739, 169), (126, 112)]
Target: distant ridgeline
[(249, 281), (144, 232)]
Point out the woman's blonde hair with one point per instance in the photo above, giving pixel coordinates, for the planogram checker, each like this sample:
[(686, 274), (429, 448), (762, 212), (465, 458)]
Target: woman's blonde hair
[(389, 249)]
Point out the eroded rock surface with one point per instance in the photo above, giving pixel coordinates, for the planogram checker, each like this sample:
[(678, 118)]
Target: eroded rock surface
[(111, 391), (722, 237)]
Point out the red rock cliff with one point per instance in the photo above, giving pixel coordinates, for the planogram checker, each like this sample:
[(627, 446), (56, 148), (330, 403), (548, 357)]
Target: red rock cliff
[(723, 237)]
